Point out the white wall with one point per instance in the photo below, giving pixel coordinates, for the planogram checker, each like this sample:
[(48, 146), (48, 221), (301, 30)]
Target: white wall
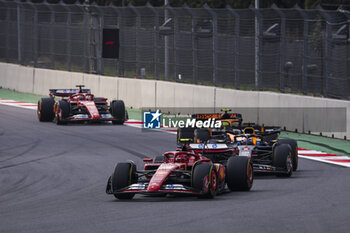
[(151, 93)]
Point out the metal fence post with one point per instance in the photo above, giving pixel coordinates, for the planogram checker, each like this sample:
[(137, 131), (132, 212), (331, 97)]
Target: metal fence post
[(52, 24), (155, 39), (305, 48), (137, 29), (35, 35), (258, 46), (194, 43), (215, 33), (19, 37), (282, 46), (346, 13), (328, 53), (86, 12), (236, 45), (120, 66), (68, 35), (176, 37), (166, 44), (7, 42), (98, 26)]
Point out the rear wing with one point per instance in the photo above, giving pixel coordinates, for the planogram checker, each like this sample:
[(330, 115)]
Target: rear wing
[(268, 133), (67, 92), (262, 129)]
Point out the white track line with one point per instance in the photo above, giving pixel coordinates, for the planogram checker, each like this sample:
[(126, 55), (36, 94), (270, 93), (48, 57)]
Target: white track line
[(322, 159)]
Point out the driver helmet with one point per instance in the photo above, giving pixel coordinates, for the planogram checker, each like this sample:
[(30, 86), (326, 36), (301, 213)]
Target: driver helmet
[(89, 98), (181, 158), (250, 141)]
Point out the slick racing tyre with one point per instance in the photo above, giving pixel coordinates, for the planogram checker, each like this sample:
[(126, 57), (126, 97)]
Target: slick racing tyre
[(118, 111), (204, 178), (45, 109), (239, 174), (282, 158), (294, 146), (62, 111), (123, 176)]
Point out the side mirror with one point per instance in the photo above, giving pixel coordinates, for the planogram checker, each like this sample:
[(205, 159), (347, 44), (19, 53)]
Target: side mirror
[(148, 160)]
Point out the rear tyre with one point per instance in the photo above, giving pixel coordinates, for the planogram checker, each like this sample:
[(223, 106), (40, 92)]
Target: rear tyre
[(62, 112), (45, 109), (118, 111), (239, 174), (282, 158), (204, 178), (123, 176), (294, 146)]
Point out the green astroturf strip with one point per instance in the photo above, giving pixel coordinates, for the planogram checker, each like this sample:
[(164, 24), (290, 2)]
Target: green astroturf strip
[(313, 142), (18, 96)]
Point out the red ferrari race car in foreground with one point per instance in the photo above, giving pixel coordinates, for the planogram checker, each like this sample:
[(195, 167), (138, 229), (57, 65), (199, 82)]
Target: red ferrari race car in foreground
[(181, 172), (79, 105)]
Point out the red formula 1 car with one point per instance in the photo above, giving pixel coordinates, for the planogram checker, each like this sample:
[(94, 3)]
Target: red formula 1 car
[(181, 172), (79, 105)]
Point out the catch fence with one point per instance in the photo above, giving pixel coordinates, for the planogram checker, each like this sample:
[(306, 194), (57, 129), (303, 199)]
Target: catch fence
[(284, 50)]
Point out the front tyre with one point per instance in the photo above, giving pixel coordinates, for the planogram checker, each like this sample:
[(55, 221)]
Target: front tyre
[(282, 158), (118, 111), (45, 110), (294, 146), (123, 176), (204, 178), (62, 111), (239, 173)]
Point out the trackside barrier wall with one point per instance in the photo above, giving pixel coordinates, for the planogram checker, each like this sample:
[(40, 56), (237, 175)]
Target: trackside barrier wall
[(138, 93)]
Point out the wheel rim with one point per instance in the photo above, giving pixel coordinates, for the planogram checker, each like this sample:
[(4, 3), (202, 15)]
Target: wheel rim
[(213, 181), (289, 164), (39, 110), (250, 174), (58, 113), (206, 184)]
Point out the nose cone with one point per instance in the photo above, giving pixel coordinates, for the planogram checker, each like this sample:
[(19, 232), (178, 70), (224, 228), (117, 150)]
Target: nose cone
[(157, 181), (160, 176), (91, 107), (95, 115), (153, 187)]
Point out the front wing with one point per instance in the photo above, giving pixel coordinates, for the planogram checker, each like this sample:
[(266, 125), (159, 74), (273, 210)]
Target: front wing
[(263, 168), (141, 188), (87, 117)]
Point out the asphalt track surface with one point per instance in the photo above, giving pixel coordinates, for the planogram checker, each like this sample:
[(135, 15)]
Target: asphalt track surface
[(52, 179)]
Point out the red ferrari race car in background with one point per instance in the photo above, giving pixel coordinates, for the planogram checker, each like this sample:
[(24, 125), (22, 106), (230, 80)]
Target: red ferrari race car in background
[(79, 105), (181, 172)]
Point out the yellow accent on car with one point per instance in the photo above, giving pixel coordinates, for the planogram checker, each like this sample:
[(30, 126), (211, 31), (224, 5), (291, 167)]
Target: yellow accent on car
[(184, 139)]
